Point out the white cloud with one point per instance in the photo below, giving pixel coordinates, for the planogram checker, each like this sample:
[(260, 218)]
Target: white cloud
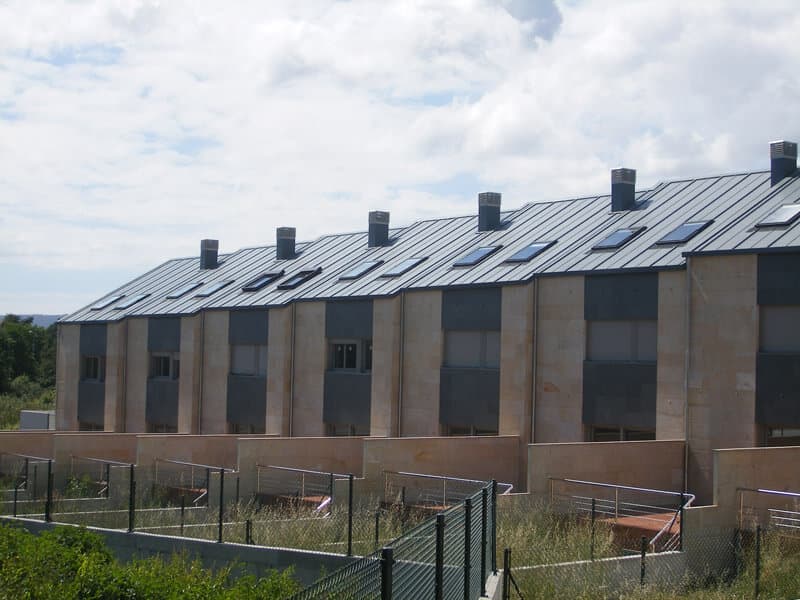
[(131, 129)]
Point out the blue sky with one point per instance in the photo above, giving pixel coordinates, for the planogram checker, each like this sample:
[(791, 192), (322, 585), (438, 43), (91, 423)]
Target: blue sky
[(131, 129)]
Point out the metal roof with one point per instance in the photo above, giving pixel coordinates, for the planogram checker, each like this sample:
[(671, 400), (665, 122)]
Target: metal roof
[(735, 204)]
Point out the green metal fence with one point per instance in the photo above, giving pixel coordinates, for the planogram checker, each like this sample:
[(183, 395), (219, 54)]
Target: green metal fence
[(448, 556)]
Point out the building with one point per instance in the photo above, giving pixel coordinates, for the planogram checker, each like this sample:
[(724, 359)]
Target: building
[(667, 313)]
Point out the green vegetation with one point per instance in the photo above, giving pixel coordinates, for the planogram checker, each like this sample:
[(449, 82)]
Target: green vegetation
[(70, 562), (27, 368)]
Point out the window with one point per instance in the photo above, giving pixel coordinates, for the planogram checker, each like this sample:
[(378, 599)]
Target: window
[(618, 239), (86, 426), (619, 434), (683, 233), (106, 302), (161, 428), (350, 355), (249, 359), (404, 267), (454, 430), (246, 428), (212, 288), (299, 278), (130, 301), (622, 340), (476, 256), (165, 366), (361, 269), (184, 289), (93, 368), (472, 349), (344, 429), (779, 329), (528, 252), (262, 280), (785, 215)]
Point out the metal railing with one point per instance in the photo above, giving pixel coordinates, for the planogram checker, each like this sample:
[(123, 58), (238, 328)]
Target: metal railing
[(614, 502), (86, 473), (431, 491), (769, 509), (173, 479), (275, 482)]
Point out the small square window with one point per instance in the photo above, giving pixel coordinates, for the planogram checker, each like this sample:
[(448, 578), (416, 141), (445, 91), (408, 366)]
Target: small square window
[(165, 366), (403, 267), (476, 256), (130, 301), (93, 368), (528, 252), (361, 269), (184, 289), (785, 215), (262, 280), (299, 278), (106, 302), (212, 288), (618, 239), (683, 233)]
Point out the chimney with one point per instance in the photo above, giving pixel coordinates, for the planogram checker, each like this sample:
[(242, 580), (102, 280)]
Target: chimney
[(378, 228), (208, 254), (623, 189), (783, 160), (285, 243), (488, 211)]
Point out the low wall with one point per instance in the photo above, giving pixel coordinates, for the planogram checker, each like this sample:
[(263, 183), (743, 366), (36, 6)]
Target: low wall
[(34, 443), (215, 450), (330, 454), (477, 457), (308, 566), (119, 447), (650, 464)]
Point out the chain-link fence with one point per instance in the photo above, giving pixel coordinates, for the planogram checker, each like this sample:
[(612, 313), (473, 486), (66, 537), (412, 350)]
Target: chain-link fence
[(449, 555), (430, 493), (24, 484)]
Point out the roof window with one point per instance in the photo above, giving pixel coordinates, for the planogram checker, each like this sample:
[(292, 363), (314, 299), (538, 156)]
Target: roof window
[(130, 301), (184, 289), (476, 256), (212, 288), (262, 280), (528, 252), (106, 302), (683, 233), (618, 239), (785, 215), (299, 278), (361, 269), (404, 266)]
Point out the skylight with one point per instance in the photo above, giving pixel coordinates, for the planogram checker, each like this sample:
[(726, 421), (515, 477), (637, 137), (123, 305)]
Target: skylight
[(785, 215), (130, 301), (184, 289), (361, 269), (106, 302), (299, 278), (212, 288), (476, 256), (618, 239), (528, 252), (404, 266), (683, 233), (262, 280)]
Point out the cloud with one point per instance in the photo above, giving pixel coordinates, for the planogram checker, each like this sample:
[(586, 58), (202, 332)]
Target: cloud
[(131, 129)]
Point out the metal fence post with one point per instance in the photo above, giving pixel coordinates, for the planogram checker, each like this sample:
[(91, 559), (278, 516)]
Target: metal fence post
[(131, 499), (387, 560), (16, 491), (27, 473), (248, 531), (467, 545), (680, 528), (438, 588), (377, 526), (330, 486), (35, 494), (591, 541), (758, 562), (507, 574), (49, 497), (221, 503), (642, 567), (484, 503), (494, 527), (350, 515), (237, 490), (108, 480)]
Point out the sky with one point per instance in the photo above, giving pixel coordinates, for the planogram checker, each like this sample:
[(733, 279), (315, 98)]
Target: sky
[(132, 129)]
